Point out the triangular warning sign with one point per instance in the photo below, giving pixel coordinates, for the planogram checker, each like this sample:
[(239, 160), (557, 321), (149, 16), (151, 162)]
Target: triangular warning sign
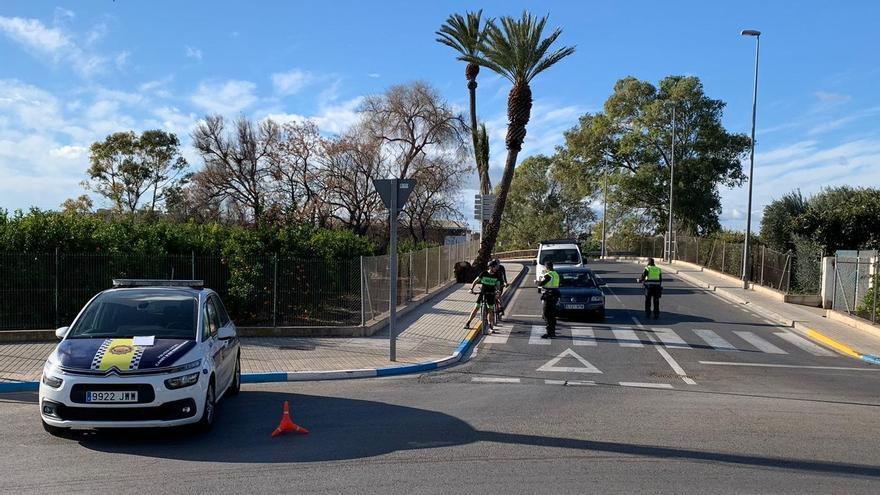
[(586, 368)]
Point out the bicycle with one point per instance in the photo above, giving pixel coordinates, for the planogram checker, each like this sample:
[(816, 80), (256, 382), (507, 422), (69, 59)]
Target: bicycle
[(484, 313)]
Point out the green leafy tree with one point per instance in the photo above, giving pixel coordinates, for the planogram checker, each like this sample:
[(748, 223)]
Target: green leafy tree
[(136, 171), (631, 140), (779, 223), (517, 50), (464, 34), (843, 218), (540, 207)]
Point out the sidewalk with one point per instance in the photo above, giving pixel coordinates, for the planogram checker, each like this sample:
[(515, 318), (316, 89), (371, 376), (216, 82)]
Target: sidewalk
[(430, 336), (807, 320)]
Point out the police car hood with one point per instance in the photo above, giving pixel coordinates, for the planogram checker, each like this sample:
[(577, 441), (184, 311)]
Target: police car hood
[(103, 354)]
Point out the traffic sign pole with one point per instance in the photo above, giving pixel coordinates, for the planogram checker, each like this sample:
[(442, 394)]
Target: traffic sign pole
[(392, 245)]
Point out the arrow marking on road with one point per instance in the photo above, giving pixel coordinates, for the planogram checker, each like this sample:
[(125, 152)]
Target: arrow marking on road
[(551, 365)]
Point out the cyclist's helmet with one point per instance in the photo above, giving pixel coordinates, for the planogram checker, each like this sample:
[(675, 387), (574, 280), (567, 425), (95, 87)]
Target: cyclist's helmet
[(493, 263), (497, 261)]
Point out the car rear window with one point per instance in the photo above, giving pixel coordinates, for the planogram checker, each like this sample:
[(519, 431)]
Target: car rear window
[(132, 313), (579, 280), (560, 256)]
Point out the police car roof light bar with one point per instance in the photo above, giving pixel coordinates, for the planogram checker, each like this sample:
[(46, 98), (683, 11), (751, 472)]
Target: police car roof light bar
[(133, 282)]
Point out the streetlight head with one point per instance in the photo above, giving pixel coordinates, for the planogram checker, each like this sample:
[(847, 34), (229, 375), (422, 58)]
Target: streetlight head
[(750, 32)]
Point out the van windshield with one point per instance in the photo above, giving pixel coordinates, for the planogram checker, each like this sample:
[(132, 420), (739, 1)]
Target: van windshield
[(560, 256)]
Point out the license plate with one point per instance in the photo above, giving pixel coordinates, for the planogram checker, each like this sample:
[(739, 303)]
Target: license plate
[(574, 306), (112, 396)]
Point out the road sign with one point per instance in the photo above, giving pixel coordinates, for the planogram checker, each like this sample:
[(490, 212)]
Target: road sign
[(386, 187), (586, 367), (484, 206), (394, 193)]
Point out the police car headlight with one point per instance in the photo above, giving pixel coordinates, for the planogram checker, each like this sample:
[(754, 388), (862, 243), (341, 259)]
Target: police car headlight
[(597, 298), (52, 381), (182, 381), (188, 366)]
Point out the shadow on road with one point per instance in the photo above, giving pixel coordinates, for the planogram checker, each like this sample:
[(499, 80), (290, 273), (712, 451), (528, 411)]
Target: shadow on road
[(353, 429)]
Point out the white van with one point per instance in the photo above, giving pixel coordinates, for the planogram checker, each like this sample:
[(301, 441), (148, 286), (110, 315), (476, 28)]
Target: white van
[(562, 252)]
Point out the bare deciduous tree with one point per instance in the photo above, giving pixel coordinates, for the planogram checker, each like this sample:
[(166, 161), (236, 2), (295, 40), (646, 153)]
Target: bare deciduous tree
[(237, 165), (296, 170), (435, 197), (411, 121), (352, 162)]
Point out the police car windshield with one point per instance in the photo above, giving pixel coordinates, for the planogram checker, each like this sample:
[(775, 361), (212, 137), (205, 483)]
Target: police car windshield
[(144, 312), (560, 256), (579, 280)]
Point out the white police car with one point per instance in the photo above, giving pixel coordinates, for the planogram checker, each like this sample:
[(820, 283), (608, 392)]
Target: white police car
[(145, 353)]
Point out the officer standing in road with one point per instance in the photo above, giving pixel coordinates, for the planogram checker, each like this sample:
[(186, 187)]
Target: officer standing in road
[(550, 296), (652, 278)]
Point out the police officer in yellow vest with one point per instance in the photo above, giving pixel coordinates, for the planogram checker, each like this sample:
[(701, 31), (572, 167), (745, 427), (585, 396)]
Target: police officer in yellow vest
[(652, 278), (550, 296)]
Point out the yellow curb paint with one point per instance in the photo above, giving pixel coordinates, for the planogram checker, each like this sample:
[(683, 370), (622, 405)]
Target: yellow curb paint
[(833, 343)]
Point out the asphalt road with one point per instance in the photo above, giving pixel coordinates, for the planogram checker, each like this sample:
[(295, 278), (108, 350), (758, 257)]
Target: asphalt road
[(651, 414)]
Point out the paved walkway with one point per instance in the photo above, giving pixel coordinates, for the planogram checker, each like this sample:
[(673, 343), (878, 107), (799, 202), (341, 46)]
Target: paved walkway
[(801, 317), (430, 332)]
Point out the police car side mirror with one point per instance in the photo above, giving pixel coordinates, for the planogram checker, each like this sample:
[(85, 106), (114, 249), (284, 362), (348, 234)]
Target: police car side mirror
[(61, 332), (601, 282), (226, 333)]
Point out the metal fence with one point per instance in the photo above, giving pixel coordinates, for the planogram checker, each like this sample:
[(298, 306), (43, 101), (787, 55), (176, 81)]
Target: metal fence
[(48, 290), (769, 268), (855, 285)]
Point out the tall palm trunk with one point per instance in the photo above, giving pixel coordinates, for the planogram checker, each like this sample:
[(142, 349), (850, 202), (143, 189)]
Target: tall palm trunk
[(519, 110), (471, 73)]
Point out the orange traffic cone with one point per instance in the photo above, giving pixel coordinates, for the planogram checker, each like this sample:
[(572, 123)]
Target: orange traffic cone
[(287, 424)]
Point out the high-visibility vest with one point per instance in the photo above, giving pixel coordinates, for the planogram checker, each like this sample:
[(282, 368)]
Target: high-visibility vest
[(554, 280), (653, 273)]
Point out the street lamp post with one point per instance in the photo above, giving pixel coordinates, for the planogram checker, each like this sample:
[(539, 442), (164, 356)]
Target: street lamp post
[(746, 247), (671, 182)]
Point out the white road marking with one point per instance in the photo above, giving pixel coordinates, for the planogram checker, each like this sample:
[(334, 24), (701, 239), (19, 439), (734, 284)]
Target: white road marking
[(489, 379), (496, 338), (646, 385), (583, 336), (586, 367), (670, 338), (714, 340), (804, 344), (575, 383), (524, 316), (672, 363), (763, 365), (535, 337), (627, 337), (760, 343)]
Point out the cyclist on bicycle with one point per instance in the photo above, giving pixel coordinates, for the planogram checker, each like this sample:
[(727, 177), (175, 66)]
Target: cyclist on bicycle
[(502, 279), (488, 279)]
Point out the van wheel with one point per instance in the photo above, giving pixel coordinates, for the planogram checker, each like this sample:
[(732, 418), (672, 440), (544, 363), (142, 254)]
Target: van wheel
[(209, 411)]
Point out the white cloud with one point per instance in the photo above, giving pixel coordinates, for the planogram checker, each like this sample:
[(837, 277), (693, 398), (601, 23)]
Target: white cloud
[(374, 75), (330, 119), (97, 33), (69, 152), (831, 98), (121, 59), (225, 98), (43, 41), (192, 52), (291, 82)]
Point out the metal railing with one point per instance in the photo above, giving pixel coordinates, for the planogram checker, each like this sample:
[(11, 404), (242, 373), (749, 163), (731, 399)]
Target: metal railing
[(519, 254), (769, 268), (855, 289), (48, 290)]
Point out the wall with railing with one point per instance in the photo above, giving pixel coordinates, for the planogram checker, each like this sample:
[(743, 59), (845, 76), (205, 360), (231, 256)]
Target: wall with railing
[(41, 291)]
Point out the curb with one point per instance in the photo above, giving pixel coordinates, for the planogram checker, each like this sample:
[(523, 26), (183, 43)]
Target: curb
[(301, 376), (800, 327)]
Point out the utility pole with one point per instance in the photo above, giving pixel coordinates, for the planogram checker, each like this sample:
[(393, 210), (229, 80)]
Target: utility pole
[(604, 213), (746, 268), (671, 183)]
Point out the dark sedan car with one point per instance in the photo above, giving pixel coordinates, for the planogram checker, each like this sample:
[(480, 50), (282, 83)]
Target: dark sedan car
[(580, 293)]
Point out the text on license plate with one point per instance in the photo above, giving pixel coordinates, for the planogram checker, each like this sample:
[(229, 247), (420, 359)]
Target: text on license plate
[(574, 306), (114, 396)]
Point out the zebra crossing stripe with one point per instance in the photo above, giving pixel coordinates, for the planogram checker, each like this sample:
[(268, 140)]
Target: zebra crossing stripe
[(804, 344), (535, 337), (714, 340), (670, 338), (583, 336), (760, 343), (497, 338), (627, 337)]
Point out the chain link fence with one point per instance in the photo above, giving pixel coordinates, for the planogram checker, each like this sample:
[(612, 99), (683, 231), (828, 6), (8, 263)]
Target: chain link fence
[(785, 272), (48, 290), (855, 285)]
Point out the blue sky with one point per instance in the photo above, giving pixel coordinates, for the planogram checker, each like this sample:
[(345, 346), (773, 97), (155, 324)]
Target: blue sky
[(72, 73)]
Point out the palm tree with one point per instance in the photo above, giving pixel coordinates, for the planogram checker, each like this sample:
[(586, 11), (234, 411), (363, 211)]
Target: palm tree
[(465, 35), (517, 51)]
